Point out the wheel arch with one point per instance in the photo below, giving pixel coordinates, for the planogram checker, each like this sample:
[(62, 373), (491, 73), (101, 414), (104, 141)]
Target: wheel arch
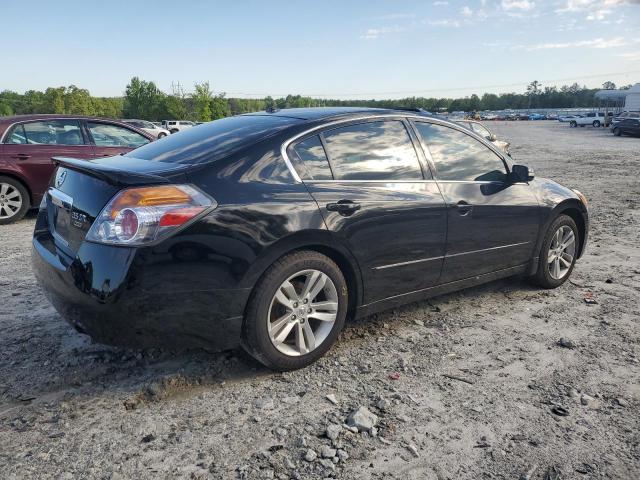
[(321, 241), (18, 178), (574, 209)]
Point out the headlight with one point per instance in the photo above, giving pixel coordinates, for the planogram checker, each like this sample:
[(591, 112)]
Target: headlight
[(582, 198), (138, 216)]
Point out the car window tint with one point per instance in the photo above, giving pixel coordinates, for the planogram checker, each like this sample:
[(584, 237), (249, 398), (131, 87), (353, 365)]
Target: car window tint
[(458, 156), (17, 136), (372, 151), (106, 135), (53, 132), (311, 159)]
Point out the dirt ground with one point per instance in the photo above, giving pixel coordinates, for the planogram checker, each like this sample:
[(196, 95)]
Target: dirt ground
[(519, 406)]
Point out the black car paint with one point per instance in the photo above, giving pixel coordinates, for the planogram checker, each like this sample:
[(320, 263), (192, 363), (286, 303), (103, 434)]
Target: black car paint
[(192, 288)]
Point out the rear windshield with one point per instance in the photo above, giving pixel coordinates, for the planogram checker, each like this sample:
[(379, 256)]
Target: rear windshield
[(212, 140)]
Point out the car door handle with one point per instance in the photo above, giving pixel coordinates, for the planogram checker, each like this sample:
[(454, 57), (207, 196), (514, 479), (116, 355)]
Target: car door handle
[(464, 208), (21, 156), (343, 207)]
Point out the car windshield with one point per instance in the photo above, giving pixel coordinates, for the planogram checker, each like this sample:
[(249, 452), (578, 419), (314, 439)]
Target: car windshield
[(212, 140)]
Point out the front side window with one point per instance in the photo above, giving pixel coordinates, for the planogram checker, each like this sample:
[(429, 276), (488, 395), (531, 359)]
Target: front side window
[(106, 135), (372, 151), (460, 157), (311, 159), (48, 132)]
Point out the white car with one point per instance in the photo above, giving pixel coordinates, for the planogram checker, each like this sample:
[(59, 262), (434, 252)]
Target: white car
[(149, 127), (177, 125), (594, 118)]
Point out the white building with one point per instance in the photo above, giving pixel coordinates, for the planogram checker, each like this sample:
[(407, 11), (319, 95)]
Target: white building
[(632, 100), (621, 100)]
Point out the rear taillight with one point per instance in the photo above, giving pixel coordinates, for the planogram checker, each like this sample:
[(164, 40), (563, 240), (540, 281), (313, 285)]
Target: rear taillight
[(142, 215)]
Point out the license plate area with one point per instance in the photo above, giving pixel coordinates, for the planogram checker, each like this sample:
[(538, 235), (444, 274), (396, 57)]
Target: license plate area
[(60, 215)]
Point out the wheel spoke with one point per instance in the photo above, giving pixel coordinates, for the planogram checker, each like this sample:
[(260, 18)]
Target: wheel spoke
[(556, 268), (318, 286), (309, 337), (300, 345), (290, 291), (552, 257), (327, 306), (3, 188), (283, 294), (14, 204), (276, 326), (284, 333), (568, 239), (310, 282), (566, 259), (323, 317)]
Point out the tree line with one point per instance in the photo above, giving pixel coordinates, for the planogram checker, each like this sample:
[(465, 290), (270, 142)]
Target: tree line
[(144, 100)]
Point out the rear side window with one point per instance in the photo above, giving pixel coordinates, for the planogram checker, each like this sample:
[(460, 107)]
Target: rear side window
[(460, 157), (372, 151), (48, 132), (106, 135), (311, 159)]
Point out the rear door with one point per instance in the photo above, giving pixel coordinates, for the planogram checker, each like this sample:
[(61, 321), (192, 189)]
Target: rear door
[(492, 222), (29, 147), (376, 192), (111, 139)]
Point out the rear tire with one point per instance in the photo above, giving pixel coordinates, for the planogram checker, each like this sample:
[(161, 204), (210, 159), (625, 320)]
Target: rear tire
[(175, 130), (553, 256), (596, 123), (14, 200), (277, 347), (573, 124), (161, 135), (617, 132)]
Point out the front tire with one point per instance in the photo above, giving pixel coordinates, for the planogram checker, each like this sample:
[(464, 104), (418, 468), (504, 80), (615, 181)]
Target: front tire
[(573, 124), (617, 132), (596, 123), (161, 135), (14, 200), (558, 253), (296, 311)]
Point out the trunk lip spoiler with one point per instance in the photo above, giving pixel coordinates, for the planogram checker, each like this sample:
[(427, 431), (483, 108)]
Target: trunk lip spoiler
[(109, 174)]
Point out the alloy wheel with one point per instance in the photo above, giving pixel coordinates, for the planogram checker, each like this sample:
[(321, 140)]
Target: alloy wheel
[(561, 252), (10, 201), (303, 312)]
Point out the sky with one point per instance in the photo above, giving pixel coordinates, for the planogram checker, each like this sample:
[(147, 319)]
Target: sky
[(328, 48)]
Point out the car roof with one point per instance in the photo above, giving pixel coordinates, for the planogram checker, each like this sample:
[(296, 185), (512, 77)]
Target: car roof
[(49, 116), (321, 113)]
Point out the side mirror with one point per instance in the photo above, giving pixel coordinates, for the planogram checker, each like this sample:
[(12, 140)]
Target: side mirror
[(492, 137), (522, 173)]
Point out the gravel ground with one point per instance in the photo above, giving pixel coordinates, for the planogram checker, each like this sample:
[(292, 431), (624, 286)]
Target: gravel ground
[(469, 385)]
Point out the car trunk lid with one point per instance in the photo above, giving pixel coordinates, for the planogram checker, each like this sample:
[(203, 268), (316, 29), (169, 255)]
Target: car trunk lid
[(80, 189)]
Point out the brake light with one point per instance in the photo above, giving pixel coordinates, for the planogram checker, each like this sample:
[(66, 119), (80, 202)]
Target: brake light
[(142, 215)]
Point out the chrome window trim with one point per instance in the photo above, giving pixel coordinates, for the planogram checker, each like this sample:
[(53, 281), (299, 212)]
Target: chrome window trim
[(286, 143), (23, 122), (391, 116), (411, 262)]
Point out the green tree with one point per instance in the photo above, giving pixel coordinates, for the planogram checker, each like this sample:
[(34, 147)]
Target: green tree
[(202, 98), (142, 100)]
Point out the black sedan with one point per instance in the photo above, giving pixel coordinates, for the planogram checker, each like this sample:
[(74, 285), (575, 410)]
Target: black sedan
[(270, 229), (627, 126)]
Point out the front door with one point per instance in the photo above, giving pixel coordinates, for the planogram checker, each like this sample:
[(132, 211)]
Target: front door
[(29, 147), (492, 223), (376, 193)]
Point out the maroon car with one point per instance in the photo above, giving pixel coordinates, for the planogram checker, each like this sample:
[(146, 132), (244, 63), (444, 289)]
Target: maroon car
[(27, 143)]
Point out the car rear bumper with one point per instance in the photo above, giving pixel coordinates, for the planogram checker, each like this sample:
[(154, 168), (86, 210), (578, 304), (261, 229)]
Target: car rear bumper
[(136, 298)]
